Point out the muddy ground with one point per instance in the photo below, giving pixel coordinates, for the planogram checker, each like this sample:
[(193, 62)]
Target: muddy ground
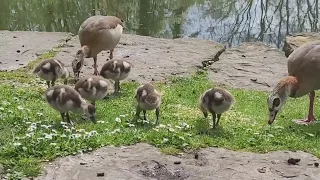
[(250, 65)]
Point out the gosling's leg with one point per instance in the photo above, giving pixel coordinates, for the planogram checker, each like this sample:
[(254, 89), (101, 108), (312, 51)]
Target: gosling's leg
[(157, 115), (213, 119), (205, 114), (138, 111), (144, 115), (68, 119), (218, 116), (62, 116), (48, 84), (53, 83), (111, 54), (95, 72)]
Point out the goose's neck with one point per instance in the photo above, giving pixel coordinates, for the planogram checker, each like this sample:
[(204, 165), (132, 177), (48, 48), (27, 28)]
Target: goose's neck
[(287, 86)]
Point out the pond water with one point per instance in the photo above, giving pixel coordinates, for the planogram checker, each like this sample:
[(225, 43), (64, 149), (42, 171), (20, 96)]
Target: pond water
[(226, 21)]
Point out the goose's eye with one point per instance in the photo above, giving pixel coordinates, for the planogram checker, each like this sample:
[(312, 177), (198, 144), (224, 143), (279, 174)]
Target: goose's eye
[(276, 102)]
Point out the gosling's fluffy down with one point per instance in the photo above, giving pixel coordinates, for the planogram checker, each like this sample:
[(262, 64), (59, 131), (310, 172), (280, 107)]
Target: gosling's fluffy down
[(93, 88), (51, 70), (116, 70), (216, 101), (148, 98), (64, 99)]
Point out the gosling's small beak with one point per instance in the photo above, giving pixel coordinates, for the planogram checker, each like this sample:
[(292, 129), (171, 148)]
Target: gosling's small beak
[(272, 116), (93, 119)]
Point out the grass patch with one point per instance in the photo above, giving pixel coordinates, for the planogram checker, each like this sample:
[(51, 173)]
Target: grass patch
[(31, 132)]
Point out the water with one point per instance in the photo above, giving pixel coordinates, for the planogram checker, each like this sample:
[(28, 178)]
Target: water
[(226, 21)]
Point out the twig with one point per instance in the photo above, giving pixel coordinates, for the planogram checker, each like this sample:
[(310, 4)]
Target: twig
[(214, 59)]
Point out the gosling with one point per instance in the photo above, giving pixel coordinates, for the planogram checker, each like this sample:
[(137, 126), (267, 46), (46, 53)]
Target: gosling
[(148, 98), (93, 88), (116, 70), (216, 101), (64, 99), (51, 70)]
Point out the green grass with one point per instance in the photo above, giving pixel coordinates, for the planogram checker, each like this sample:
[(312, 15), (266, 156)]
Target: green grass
[(31, 132)]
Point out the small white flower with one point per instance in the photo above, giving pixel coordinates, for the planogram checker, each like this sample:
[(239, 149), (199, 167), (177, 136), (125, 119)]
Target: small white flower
[(28, 122), (29, 134), (17, 144), (118, 120), (63, 123), (63, 135), (145, 122), (39, 114), (20, 107), (92, 133), (1, 109), (131, 125), (100, 122), (40, 138), (24, 148), (185, 125), (124, 115), (48, 136), (45, 126), (81, 130), (115, 131), (165, 140), (156, 129), (178, 127), (161, 126), (53, 144), (171, 129)]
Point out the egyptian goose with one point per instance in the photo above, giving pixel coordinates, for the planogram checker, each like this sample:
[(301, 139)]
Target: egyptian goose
[(93, 88), (51, 70), (148, 98), (303, 67), (116, 70), (64, 99), (97, 33), (216, 101)]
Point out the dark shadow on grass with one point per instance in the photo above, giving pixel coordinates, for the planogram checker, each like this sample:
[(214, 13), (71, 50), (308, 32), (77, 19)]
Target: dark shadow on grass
[(203, 127)]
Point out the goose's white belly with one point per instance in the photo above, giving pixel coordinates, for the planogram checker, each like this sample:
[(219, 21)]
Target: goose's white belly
[(111, 37)]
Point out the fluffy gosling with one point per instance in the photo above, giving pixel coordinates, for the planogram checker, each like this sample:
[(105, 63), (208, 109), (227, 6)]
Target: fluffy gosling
[(148, 98), (216, 101), (93, 88), (116, 70), (51, 70), (64, 99)]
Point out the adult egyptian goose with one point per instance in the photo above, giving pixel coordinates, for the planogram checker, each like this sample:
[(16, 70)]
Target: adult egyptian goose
[(216, 101), (93, 88), (51, 70), (148, 98), (65, 99), (116, 70), (97, 33), (303, 78)]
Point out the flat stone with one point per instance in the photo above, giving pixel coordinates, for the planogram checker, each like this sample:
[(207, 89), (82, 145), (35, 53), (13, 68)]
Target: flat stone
[(293, 41)]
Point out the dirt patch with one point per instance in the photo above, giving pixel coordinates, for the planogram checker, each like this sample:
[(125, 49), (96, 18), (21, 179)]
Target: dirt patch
[(143, 161), (251, 66), (18, 48), (153, 58)]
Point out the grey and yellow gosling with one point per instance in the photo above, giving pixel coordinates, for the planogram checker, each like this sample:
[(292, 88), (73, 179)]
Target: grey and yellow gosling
[(51, 70), (116, 70), (93, 88), (64, 99), (216, 101), (148, 98)]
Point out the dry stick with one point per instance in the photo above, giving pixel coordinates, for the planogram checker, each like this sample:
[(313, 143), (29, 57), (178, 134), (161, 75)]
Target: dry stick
[(214, 59)]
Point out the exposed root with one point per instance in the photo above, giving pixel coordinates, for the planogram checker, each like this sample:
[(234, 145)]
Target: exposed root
[(215, 58)]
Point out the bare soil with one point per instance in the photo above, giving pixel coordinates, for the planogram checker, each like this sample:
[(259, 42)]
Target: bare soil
[(250, 65)]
